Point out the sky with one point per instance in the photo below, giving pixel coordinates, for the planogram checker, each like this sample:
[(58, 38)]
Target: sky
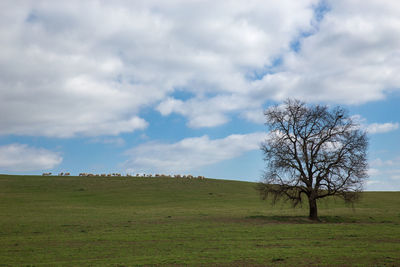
[(180, 86)]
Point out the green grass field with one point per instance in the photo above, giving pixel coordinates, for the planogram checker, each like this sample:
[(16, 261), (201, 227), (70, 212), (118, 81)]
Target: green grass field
[(79, 221)]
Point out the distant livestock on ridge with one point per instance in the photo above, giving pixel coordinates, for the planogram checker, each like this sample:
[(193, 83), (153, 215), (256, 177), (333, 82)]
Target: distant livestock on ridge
[(84, 174)]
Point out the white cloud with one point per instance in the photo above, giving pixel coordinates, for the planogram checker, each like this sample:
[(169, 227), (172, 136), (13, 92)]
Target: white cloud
[(370, 182), (116, 141), (388, 163), (352, 56), (395, 177), (254, 115), (190, 153), (88, 68), (374, 128), (383, 184), (373, 172), (21, 157), (384, 174), (205, 112)]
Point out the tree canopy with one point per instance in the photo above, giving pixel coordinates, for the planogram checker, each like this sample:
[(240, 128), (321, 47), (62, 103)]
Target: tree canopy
[(312, 151)]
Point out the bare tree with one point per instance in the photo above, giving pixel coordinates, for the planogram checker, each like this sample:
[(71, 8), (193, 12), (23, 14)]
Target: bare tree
[(313, 152)]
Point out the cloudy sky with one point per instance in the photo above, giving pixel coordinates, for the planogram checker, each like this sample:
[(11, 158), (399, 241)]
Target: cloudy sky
[(180, 86)]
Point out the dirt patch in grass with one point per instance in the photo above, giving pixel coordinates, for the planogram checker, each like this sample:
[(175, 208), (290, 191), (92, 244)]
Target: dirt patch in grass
[(249, 262), (262, 219), (300, 219), (281, 219)]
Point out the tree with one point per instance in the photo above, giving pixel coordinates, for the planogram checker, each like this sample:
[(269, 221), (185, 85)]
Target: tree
[(314, 152)]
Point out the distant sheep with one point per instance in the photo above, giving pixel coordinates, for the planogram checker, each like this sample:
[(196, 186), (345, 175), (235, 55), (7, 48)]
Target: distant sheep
[(187, 176), (46, 174)]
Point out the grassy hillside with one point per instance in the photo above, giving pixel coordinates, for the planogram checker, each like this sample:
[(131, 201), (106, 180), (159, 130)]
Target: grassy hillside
[(76, 221)]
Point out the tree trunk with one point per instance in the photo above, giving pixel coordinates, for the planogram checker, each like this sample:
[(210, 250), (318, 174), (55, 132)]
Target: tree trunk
[(313, 209)]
